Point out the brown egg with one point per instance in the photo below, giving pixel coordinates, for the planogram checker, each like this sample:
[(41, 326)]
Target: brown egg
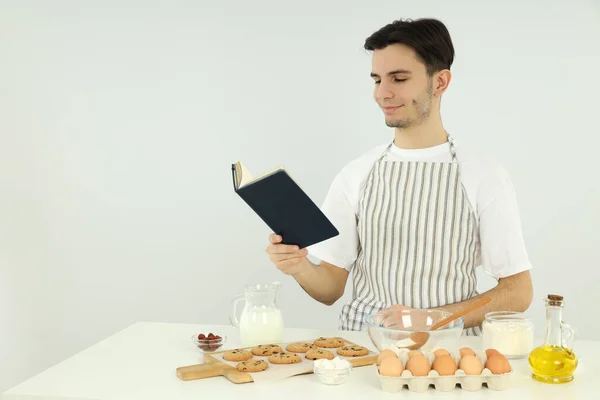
[(498, 364), (441, 352), (466, 351), (471, 365), (413, 353), (445, 365), (491, 352), (385, 354), (418, 366), (391, 366)]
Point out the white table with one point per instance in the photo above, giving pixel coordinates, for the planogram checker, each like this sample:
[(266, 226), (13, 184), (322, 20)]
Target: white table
[(140, 361)]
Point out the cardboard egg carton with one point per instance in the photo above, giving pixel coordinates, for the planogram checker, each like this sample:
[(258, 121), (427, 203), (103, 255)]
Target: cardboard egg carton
[(444, 383)]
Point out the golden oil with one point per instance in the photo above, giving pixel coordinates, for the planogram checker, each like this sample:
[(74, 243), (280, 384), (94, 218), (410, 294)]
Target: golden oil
[(554, 361), (552, 364)]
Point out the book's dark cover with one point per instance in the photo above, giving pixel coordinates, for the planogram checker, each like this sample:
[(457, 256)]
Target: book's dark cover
[(287, 210)]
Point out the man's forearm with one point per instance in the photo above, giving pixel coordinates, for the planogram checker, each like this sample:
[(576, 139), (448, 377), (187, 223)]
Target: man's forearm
[(324, 283), (513, 293)]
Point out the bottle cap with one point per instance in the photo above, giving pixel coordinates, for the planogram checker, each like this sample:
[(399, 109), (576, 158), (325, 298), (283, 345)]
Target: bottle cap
[(555, 300)]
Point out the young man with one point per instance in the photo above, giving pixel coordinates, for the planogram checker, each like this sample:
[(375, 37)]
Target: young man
[(416, 216)]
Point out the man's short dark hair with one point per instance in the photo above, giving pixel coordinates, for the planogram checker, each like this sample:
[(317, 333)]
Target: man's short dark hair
[(428, 37)]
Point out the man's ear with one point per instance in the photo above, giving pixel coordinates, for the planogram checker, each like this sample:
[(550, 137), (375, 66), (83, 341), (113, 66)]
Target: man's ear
[(441, 81)]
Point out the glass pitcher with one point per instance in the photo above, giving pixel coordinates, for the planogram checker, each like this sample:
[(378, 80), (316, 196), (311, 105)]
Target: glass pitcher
[(260, 321), (554, 361)]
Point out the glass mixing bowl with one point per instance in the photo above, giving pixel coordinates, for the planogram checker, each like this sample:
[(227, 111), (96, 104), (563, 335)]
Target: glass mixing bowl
[(399, 327)]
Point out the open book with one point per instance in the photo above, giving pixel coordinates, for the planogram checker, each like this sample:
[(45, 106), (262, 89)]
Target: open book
[(280, 202)]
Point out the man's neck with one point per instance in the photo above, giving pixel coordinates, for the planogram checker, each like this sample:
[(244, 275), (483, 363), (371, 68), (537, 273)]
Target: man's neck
[(420, 137)]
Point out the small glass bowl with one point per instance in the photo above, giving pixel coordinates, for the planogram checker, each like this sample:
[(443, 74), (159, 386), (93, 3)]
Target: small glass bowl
[(332, 376), (209, 345), (395, 328)]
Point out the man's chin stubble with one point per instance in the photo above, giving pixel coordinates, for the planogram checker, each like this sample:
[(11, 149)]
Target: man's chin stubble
[(397, 123)]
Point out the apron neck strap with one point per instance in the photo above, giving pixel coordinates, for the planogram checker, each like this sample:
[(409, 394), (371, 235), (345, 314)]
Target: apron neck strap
[(450, 143), (452, 148)]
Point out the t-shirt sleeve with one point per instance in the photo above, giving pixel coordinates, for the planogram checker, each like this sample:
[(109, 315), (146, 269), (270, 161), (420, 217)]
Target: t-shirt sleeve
[(341, 250), (503, 248)]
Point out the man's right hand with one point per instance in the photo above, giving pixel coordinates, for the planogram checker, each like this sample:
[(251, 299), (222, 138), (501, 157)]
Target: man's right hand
[(325, 283), (289, 259)]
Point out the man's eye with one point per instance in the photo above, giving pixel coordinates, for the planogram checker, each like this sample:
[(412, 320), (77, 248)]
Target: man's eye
[(395, 80)]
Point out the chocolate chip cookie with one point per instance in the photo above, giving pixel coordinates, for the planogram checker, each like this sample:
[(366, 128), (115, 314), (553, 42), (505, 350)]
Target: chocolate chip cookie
[(315, 354), (329, 343), (300, 347), (266, 350), (284, 358), (252, 366), (237, 355), (352, 351)]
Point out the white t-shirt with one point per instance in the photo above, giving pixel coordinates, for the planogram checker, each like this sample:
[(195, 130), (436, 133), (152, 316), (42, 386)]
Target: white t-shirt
[(489, 190)]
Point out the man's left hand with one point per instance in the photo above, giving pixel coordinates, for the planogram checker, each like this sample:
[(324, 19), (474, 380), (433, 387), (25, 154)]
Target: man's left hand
[(386, 317), (396, 307)]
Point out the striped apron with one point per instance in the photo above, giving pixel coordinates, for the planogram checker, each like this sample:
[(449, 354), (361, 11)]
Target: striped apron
[(419, 240)]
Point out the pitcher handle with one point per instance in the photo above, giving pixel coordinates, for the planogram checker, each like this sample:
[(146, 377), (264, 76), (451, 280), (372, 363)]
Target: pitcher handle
[(568, 333), (233, 312)]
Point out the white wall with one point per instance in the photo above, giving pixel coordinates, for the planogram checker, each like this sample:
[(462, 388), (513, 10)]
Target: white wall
[(119, 121)]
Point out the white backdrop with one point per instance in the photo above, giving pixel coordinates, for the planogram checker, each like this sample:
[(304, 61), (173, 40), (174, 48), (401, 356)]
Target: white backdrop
[(119, 122)]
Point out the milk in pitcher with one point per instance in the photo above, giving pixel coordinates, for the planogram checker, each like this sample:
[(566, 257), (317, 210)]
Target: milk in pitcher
[(260, 321), (261, 326)]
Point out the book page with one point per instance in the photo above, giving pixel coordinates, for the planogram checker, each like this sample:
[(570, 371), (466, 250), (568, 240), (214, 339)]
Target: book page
[(245, 177), (267, 174)]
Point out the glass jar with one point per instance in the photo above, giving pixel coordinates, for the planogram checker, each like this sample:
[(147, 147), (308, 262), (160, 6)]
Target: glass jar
[(509, 332), (554, 361)]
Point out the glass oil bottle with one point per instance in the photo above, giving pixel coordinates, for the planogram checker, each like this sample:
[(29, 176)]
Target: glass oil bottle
[(554, 361)]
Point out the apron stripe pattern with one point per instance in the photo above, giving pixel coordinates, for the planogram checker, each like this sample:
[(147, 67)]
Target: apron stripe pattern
[(419, 240)]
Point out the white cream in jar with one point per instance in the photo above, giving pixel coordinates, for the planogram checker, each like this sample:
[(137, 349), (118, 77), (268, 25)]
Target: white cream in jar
[(332, 372), (511, 333)]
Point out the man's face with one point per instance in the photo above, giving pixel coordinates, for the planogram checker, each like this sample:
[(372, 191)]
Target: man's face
[(403, 89)]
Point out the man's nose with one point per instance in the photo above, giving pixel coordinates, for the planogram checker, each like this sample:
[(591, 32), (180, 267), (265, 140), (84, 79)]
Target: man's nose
[(384, 91)]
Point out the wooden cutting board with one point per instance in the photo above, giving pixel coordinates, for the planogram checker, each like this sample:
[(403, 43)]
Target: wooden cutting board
[(214, 367)]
